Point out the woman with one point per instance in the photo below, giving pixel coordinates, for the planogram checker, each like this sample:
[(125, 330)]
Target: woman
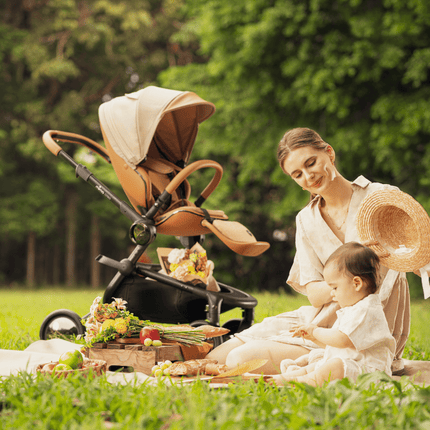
[(328, 221)]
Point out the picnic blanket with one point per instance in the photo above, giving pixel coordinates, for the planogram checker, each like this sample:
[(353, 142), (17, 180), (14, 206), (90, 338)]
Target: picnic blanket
[(43, 351)]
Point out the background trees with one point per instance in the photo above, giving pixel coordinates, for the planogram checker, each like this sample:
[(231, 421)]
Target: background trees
[(60, 61), (356, 71)]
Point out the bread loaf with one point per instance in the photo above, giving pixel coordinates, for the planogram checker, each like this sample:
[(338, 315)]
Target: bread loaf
[(211, 331), (179, 368), (208, 330), (215, 369), (190, 367)]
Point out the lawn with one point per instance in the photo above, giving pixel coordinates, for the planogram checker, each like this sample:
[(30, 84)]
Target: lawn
[(77, 403)]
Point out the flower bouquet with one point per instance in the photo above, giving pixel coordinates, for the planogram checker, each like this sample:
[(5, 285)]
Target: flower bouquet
[(110, 321), (188, 265)]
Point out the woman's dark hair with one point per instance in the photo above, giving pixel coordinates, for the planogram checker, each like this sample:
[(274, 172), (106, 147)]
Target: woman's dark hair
[(358, 260)]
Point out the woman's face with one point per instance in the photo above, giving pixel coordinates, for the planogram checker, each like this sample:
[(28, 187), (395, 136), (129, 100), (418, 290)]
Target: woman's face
[(313, 169)]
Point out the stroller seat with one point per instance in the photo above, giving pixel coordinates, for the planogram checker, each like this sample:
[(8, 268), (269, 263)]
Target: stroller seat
[(149, 136)]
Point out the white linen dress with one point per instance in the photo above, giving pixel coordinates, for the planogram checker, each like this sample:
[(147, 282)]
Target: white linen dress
[(367, 328), (315, 242)]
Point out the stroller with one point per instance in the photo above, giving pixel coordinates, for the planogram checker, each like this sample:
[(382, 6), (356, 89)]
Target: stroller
[(149, 136)]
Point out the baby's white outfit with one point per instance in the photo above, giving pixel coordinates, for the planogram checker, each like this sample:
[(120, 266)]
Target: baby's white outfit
[(367, 328)]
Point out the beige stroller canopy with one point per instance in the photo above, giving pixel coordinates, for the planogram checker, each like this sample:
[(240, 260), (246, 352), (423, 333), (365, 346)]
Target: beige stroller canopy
[(168, 118)]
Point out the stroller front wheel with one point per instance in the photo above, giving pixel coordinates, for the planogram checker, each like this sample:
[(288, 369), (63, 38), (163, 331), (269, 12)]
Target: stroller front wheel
[(61, 323)]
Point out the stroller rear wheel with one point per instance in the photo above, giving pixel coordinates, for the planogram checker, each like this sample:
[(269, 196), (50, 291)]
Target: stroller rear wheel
[(61, 323), (234, 325)]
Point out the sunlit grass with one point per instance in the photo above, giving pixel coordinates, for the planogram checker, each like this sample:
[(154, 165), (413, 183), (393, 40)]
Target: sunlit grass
[(21, 319), (373, 402)]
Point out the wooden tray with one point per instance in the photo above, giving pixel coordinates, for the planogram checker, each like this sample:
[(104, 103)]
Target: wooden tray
[(127, 340), (137, 356)]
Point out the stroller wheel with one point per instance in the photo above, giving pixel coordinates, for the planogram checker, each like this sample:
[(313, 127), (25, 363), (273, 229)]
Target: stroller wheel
[(61, 323), (234, 326)]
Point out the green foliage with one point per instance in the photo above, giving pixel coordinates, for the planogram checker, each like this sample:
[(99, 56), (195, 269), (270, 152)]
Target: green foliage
[(37, 205), (356, 71), (60, 61)]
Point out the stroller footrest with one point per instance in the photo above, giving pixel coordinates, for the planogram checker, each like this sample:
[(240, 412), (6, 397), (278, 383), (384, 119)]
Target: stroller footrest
[(237, 237)]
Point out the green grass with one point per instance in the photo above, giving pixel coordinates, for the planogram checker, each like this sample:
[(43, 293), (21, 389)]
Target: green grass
[(25, 310), (94, 403), (20, 321)]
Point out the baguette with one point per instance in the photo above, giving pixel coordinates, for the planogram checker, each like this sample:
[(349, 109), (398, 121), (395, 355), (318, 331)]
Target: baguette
[(190, 367), (178, 368), (215, 369), (211, 331), (208, 330)]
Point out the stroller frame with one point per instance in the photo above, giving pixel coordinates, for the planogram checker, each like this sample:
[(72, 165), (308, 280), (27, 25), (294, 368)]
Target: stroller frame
[(143, 233)]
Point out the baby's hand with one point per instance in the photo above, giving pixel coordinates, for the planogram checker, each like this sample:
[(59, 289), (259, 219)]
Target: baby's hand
[(305, 331)]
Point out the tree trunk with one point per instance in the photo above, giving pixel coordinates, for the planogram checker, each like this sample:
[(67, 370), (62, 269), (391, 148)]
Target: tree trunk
[(95, 250), (31, 258), (71, 228), (56, 270)]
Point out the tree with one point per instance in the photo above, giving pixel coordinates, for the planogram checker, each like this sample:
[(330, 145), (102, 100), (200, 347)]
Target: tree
[(354, 70), (60, 60)]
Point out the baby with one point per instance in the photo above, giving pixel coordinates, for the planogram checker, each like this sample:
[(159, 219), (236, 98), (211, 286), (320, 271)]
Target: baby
[(360, 340)]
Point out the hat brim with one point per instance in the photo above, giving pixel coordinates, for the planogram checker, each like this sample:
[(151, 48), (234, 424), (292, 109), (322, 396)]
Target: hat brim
[(389, 219)]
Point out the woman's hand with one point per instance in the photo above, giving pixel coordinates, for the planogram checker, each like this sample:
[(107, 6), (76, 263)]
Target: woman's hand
[(319, 293)]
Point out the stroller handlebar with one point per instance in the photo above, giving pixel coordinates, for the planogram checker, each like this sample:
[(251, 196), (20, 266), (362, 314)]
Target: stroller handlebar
[(63, 136), (180, 177), (201, 164)]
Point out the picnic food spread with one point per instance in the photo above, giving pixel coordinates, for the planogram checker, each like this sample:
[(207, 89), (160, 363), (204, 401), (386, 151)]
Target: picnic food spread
[(73, 359), (112, 321), (72, 362), (202, 366)]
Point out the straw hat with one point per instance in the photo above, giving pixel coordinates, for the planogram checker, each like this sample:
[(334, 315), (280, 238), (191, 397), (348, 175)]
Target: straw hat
[(397, 228)]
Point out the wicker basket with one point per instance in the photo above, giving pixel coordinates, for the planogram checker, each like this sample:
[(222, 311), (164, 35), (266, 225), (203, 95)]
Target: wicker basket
[(96, 367), (397, 228)]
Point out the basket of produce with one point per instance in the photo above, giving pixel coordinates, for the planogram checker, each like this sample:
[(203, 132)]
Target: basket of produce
[(72, 362)]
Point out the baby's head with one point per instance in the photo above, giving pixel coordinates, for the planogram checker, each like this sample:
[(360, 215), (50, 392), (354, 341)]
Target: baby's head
[(352, 271)]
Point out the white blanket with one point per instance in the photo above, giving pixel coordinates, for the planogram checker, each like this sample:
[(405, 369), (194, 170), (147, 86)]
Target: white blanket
[(43, 351)]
